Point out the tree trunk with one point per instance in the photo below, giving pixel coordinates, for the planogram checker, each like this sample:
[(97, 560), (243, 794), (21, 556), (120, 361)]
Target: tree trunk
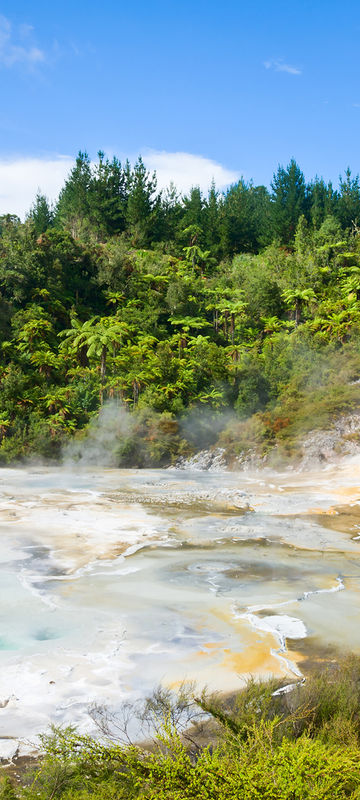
[(103, 364), (102, 373), (135, 392), (84, 361), (183, 343)]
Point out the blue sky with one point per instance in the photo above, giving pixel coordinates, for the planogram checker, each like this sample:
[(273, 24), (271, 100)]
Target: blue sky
[(244, 86)]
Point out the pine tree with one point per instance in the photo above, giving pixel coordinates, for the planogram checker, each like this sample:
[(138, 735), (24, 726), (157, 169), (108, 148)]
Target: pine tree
[(348, 209), (142, 203), (288, 201), (41, 214), (73, 206)]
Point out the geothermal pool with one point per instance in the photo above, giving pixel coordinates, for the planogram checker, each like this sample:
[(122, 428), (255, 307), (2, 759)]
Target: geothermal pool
[(113, 581)]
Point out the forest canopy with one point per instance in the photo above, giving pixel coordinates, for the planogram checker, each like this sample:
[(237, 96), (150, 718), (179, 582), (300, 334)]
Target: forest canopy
[(243, 302)]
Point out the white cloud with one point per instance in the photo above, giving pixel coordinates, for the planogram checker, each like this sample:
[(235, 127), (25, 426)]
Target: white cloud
[(186, 170), (278, 65), (16, 46), (21, 178)]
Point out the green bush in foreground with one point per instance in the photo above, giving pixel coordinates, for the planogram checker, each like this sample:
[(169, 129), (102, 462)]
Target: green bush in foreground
[(301, 745)]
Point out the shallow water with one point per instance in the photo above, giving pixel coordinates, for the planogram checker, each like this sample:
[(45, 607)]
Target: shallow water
[(115, 580)]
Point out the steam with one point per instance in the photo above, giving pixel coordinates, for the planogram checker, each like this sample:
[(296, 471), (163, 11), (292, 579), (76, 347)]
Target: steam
[(201, 427), (105, 439), (145, 437), (314, 419)]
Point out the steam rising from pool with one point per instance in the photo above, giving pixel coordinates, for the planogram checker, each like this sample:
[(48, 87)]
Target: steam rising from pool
[(115, 580)]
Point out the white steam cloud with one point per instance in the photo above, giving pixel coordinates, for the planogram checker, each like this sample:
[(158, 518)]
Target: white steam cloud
[(104, 438)]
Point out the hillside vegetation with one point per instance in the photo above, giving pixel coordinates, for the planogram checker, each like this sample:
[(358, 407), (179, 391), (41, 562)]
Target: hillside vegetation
[(231, 318), (303, 745)]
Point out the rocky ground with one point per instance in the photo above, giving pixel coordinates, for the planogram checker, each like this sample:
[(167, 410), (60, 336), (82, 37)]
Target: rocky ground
[(325, 446), (316, 448)]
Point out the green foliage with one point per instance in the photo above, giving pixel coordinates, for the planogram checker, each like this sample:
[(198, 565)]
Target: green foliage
[(163, 305), (41, 214), (349, 200), (7, 791), (289, 200), (263, 743)]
